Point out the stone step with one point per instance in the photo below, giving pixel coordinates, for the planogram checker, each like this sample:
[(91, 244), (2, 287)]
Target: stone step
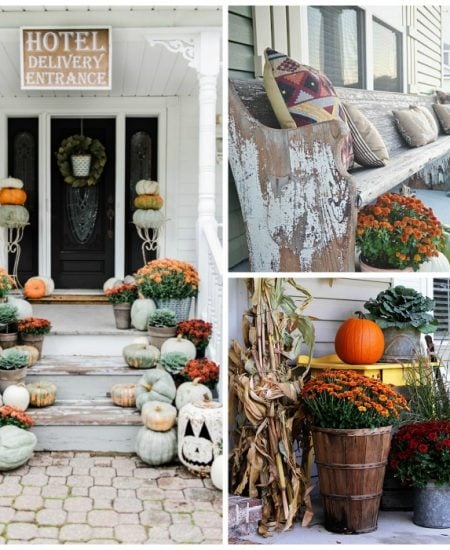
[(83, 377), (85, 425)]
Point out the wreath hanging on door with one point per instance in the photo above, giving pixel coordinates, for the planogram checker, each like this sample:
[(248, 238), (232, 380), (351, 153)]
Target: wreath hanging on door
[(81, 145)]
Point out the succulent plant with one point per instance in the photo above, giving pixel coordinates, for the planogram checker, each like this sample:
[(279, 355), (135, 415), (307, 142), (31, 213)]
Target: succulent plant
[(8, 315), (174, 362), (162, 318), (13, 359)]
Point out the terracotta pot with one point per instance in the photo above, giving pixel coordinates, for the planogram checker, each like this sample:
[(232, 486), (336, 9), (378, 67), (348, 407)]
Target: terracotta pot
[(35, 340), (122, 315), (370, 268), (351, 466), (158, 335), (8, 339)]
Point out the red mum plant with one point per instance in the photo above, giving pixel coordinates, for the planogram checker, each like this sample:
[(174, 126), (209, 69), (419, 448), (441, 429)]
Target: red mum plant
[(15, 417), (197, 331), (122, 294), (34, 325), (421, 453), (206, 370)]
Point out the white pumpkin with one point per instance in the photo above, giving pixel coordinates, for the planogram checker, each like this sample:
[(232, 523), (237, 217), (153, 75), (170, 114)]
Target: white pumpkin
[(49, 284), (10, 182), (140, 312), (159, 416), (129, 280), (24, 308), (179, 345), (147, 187), (112, 282), (217, 472), (190, 392), (17, 396), (439, 263), (150, 219)]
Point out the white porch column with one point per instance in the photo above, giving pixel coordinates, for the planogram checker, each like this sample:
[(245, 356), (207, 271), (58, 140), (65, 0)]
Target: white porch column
[(208, 67)]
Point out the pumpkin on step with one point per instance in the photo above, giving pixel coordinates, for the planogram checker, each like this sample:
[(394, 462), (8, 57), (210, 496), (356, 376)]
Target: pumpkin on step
[(140, 356), (147, 187), (34, 288), (16, 447), (155, 385), (179, 345), (24, 308), (123, 395), (158, 416), (190, 392), (140, 312), (16, 396), (148, 202), (359, 341), (33, 353), (10, 195), (42, 394), (156, 448), (48, 282)]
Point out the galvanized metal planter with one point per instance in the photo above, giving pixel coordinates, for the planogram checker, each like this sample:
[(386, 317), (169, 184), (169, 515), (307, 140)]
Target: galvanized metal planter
[(432, 506)]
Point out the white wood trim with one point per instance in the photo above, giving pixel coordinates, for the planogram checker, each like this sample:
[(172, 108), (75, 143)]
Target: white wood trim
[(44, 197), (3, 173), (368, 48), (170, 127), (119, 216), (279, 28), (263, 35)]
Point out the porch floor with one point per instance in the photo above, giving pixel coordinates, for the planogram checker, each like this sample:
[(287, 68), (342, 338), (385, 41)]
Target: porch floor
[(393, 528)]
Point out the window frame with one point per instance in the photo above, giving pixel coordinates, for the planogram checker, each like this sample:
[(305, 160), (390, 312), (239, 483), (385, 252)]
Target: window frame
[(400, 47)]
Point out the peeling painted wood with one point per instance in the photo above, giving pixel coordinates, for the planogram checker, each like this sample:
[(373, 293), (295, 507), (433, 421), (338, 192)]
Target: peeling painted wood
[(297, 200), (298, 205)]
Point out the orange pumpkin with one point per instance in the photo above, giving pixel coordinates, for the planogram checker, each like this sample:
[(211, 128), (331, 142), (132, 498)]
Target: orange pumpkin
[(148, 202), (359, 342), (34, 288), (10, 195)]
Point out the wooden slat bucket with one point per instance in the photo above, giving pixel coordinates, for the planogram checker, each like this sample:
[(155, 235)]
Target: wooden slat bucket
[(351, 466)]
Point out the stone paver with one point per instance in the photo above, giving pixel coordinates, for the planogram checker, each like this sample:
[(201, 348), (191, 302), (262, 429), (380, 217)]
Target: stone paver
[(76, 497)]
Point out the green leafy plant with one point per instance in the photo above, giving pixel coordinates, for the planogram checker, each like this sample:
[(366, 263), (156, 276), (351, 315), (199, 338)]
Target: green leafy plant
[(421, 453), (13, 359), (8, 317), (402, 308), (162, 318), (344, 399), (174, 362)]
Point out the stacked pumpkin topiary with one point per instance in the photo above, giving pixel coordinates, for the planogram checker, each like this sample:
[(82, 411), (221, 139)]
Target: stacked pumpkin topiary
[(148, 203), (12, 199)]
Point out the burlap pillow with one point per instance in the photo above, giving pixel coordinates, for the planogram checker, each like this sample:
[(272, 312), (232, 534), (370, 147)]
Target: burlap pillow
[(301, 95), (443, 114), (368, 145), (443, 97), (414, 126), (431, 120)]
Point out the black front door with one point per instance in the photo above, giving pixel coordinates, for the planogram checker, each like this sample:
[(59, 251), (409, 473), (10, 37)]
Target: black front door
[(83, 218)]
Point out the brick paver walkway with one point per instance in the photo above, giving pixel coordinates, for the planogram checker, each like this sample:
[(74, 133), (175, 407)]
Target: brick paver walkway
[(81, 497)]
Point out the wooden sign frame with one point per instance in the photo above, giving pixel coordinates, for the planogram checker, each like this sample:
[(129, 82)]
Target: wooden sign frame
[(58, 60)]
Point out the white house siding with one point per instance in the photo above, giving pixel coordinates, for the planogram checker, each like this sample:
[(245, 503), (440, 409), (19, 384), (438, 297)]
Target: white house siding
[(424, 45), (334, 301)]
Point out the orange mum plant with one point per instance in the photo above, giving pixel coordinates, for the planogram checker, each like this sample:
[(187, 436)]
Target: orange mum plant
[(6, 283), (15, 417), (398, 232), (344, 399), (167, 279)]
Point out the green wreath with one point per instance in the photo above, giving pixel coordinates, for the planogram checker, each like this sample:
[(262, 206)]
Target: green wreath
[(81, 145)]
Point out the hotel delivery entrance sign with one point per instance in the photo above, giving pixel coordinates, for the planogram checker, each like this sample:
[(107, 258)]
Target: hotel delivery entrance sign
[(65, 58)]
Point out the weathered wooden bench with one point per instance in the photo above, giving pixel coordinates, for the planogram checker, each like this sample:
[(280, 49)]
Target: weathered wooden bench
[(299, 204)]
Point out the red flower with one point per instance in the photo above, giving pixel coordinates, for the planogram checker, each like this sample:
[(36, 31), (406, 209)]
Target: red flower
[(422, 448)]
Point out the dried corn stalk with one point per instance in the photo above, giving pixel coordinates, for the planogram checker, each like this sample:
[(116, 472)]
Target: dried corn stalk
[(264, 403)]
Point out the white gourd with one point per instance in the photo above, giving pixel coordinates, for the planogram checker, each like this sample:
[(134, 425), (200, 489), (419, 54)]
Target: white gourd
[(24, 308), (150, 219), (438, 263), (140, 312), (191, 392), (147, 187), (217, 472), (179, 345), (129, 280), (10, 182), (159, 416), (17, 396), (112, 282)]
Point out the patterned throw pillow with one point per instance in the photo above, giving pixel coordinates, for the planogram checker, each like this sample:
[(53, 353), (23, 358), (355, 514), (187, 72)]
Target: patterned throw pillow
[(443, 114), (300, 95), (368, 146)]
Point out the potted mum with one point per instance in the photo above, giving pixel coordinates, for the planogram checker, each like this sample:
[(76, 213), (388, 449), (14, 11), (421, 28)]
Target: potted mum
[(32, 331), (352, 417), (403, 314), (420, 457), (203, 370), (8, 325), (121, 298), (171, 283), (162, 324), (6, 284), (397, 233), (198, 332)]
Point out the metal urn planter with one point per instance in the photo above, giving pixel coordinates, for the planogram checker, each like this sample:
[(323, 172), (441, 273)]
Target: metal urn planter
[(432, 506)]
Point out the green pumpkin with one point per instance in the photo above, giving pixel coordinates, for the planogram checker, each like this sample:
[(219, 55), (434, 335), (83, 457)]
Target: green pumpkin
[(155, 385), (16, 447), (24, 308), (12, 215), (140, 312), (141, 356), (156, 448)]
